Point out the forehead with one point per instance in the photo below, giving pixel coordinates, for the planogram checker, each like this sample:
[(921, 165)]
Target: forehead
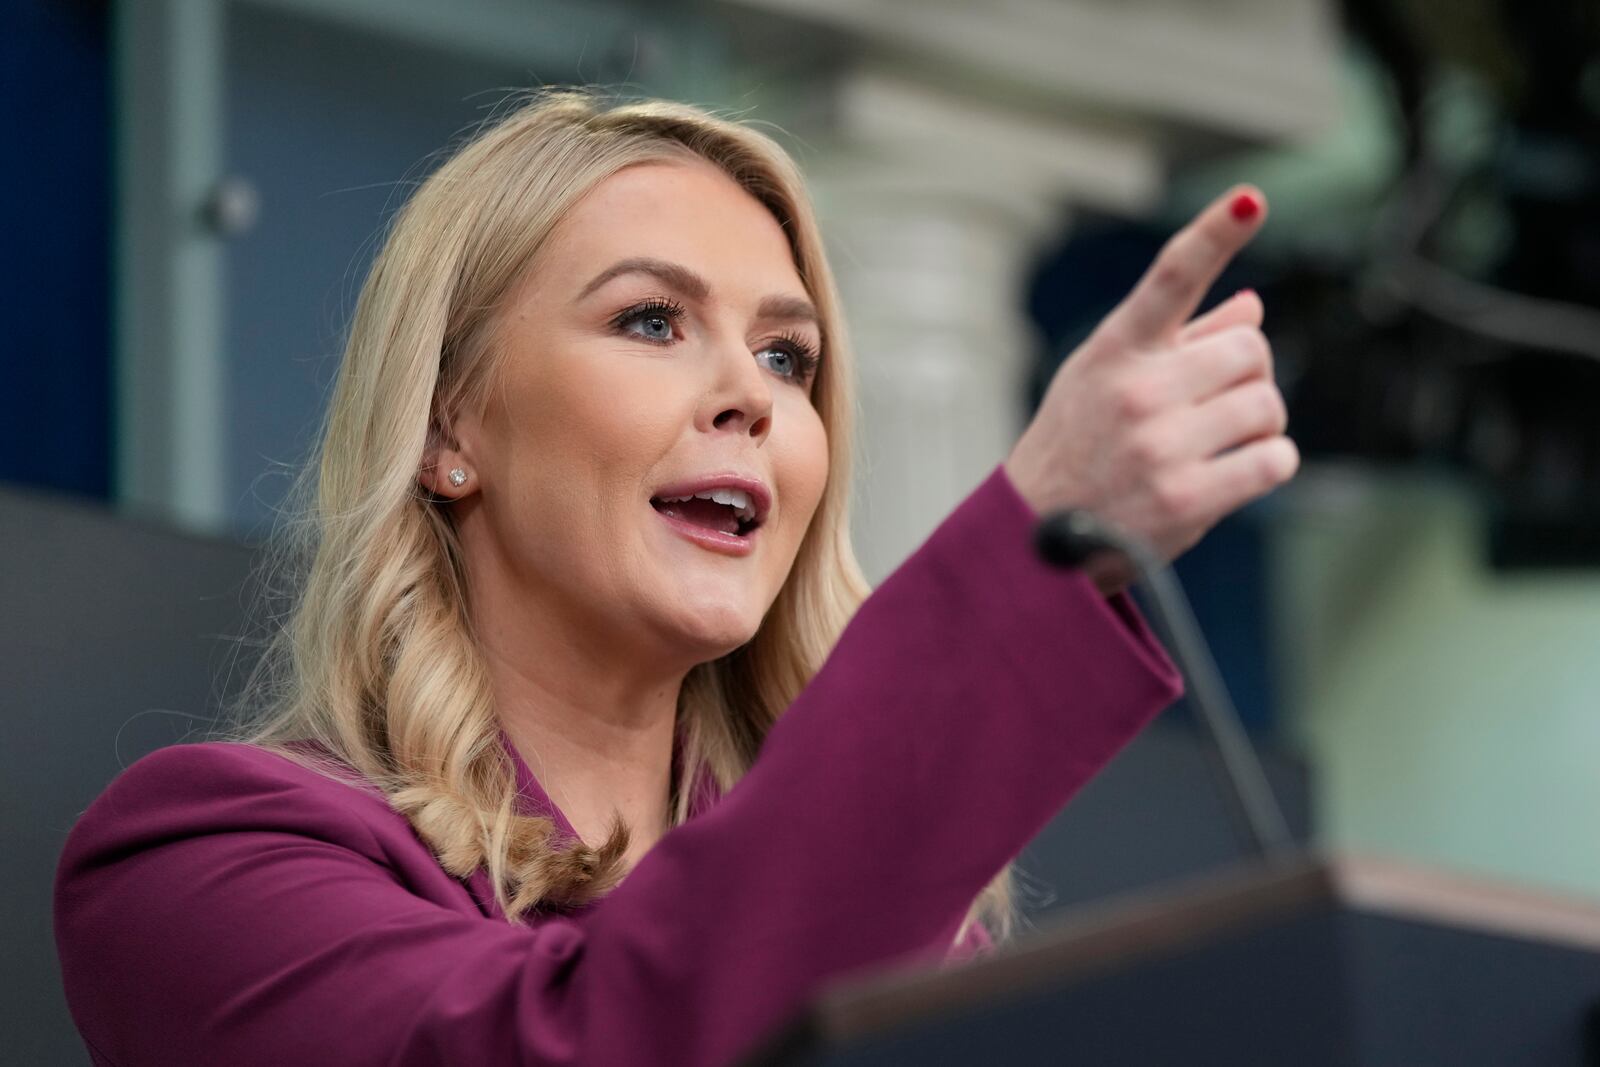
[(686, 212)]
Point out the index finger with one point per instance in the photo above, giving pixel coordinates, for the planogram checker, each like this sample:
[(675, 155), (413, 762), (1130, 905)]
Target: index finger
[(1186, 267)]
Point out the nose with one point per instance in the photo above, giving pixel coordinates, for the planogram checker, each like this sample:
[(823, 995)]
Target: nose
[(740, 398)]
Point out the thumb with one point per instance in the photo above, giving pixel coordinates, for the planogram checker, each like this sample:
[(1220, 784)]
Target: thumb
[(1243, 308)]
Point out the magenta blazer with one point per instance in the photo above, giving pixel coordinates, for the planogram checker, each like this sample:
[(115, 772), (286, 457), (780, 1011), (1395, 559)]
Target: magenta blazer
[(218, 904)]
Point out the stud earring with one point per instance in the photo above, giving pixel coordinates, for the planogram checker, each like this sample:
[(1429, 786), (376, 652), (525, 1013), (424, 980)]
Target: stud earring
[(458, 477)]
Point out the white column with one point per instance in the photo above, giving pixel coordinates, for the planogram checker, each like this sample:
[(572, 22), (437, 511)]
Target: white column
[(946, 141), (931, 278), (935, 209)]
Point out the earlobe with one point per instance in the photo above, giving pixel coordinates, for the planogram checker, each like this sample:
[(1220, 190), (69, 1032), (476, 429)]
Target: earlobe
[(445, 474), (444, 471)]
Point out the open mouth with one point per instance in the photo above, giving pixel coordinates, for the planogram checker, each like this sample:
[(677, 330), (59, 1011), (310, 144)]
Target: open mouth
[(726, 511)]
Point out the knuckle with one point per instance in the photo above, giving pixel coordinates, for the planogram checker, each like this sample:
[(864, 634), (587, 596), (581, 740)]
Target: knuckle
[(1176, 497), (1137, 397), (1168, 276), (1255, 409), (1149, 449), (1280, 413), (1259, 349), (1270, 408), (1249, 347)]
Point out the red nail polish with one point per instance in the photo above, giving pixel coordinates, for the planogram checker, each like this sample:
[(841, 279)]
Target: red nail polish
[(1245, 207)]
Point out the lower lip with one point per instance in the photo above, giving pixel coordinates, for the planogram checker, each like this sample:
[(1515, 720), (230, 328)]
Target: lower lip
[(715, 540)]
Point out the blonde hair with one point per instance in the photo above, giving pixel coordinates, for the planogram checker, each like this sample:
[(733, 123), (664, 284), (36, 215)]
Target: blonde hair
[(377, 664)]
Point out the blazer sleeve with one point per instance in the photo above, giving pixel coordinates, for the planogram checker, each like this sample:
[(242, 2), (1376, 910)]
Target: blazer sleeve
[(214, 908)]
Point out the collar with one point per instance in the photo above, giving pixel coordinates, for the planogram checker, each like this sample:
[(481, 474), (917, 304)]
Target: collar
[(531, 797), (533, 800)]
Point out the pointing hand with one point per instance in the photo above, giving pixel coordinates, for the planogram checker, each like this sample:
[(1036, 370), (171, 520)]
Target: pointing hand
[(1159, 423)]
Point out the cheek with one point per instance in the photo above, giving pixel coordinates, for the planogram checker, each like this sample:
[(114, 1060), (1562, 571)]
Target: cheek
[(602, 407), (575, 441), (801, 462), (595, 418)]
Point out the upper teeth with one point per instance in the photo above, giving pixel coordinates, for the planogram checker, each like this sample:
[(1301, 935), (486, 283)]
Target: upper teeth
[(737, 499)]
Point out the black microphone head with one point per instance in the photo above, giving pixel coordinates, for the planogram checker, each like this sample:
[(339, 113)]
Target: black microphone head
[(1070, 538)]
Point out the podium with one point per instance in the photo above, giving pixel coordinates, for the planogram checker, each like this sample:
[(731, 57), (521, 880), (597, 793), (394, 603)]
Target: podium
[(1313, 962)]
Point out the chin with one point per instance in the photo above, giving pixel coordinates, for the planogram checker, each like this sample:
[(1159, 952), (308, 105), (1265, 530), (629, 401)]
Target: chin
[(711, 631)]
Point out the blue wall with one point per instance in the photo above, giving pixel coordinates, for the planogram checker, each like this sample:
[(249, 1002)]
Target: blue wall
[(1226, 573), (332, 128), (55, 185)]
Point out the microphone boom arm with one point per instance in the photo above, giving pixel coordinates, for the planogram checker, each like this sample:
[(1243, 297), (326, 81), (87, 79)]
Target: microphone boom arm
[(1071, 538)]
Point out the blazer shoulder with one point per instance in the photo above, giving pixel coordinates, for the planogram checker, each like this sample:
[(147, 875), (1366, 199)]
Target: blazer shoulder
[(217, 786)]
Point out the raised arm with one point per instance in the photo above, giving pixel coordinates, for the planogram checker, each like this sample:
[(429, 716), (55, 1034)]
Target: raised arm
[(1158, 423), (220, 905)]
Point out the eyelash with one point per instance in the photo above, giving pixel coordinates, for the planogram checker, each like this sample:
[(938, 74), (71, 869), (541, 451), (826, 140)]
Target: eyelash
[(802, 350), (667, 309)]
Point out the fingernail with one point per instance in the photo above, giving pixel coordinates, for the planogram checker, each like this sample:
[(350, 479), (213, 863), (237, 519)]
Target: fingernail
[(1245, 207), (1244, 292)]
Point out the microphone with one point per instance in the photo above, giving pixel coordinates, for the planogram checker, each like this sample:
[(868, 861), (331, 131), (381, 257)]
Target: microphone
[(1069, 539)]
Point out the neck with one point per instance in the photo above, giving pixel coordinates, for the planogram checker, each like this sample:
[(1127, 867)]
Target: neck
[(596, 730)]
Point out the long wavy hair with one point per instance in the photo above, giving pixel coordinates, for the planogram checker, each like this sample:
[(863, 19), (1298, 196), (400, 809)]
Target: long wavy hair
[(376, 664)]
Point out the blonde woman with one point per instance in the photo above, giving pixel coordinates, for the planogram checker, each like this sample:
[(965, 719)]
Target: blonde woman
[(581, 745)]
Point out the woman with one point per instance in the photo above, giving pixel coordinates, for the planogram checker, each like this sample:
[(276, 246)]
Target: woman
[(579, 539)]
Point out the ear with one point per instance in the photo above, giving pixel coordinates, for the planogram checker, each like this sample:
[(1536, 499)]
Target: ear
[(446, 470)]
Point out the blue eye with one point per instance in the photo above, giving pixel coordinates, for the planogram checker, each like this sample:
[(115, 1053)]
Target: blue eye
[(790, 357), (652, 321), (655, 327), (782, 360)]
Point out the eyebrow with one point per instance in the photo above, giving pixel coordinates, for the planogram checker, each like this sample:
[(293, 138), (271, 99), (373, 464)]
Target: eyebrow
[(690, 284)]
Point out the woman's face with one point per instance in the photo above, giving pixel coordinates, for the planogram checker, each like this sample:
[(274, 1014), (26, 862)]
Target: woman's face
[(649, 458)]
